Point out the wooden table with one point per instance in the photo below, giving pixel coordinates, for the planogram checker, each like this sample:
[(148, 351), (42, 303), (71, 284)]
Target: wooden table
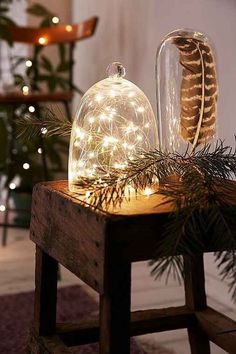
[(98, 247)]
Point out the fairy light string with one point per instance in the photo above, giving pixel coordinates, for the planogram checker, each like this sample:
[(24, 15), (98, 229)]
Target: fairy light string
[(114, 121)]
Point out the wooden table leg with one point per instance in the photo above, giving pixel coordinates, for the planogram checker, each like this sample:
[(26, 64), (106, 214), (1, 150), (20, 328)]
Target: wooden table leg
[(115, 309), (45, 293), (195, 296)]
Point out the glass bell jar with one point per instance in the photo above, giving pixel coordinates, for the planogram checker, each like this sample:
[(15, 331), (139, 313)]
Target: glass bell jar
[(187, 91), (114, 121)]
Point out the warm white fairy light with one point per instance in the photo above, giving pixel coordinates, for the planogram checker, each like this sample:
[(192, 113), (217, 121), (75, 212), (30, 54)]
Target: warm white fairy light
[(91, 154), (40, 151), (115, 121), (26, 166), (42, 40), (80, 133), (103, 116), (131, 128), (2, 207), (31, 109), (119, 165), (25, 90), (81, 163), (148, 191), (69, 28), (131, 94), (91, 120), (98, 97), (55, 19), (12, 185), (44, 130), (139, 137), (141, 109), (109, 140), (28, 63)]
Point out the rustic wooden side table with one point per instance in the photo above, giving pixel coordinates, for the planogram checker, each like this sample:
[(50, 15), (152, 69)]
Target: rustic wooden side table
[(99, 247)]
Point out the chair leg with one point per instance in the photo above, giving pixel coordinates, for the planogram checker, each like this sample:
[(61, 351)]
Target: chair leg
[(5, 220), (195, 297), (68, 110)]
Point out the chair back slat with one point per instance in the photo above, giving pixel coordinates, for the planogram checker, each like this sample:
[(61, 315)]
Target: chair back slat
[(54, 35)]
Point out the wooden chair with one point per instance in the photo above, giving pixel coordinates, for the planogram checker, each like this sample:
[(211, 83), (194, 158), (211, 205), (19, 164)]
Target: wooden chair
[(37, 37), (43, 37)]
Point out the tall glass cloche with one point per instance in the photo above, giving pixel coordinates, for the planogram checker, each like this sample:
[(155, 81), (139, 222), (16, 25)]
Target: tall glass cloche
[(114, 121), (187, 91)]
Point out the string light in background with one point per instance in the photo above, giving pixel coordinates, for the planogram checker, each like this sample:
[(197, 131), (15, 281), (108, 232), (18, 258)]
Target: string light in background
[(25, 90), (2, 207), (12, 185), (115, 120), (42, 41), (69, 28), (55, 20), (24, 148), (40, 151), (26, 166), (28, 63), (31, 109)]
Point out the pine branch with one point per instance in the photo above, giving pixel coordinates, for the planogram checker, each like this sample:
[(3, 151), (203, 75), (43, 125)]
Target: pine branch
[(196, 184), (201, 196), (44, 120)]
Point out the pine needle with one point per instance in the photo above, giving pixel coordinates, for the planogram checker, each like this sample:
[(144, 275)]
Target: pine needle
[(44, 120)]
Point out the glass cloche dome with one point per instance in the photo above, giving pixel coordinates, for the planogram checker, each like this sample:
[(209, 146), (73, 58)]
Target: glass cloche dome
[(114, 120), (187, 91)]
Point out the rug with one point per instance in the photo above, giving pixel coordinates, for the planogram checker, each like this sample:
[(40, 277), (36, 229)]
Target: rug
[(16, 313)]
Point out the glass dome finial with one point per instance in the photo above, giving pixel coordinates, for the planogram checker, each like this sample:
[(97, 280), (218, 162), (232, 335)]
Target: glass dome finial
[(116, 70)]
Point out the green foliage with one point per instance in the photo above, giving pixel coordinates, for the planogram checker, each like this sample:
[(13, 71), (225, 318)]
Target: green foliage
[(53, 76), (3, 140), (55, 122), (41, 12), (5, 21), (199, 189), (14, 153)]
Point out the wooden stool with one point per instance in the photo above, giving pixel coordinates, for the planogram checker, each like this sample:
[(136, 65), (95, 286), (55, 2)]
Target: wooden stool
[(99, 247)]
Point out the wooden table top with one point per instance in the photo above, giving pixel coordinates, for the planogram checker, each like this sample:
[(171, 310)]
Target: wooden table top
[(72, 231), (140, 205)]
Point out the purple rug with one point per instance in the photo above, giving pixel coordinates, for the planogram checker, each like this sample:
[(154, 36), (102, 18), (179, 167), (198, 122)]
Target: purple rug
[(16, 313)]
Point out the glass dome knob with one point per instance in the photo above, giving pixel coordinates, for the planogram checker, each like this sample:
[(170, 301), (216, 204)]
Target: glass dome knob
[(116, 70)]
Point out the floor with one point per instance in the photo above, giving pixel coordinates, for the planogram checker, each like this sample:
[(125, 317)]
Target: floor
[(17, 275)]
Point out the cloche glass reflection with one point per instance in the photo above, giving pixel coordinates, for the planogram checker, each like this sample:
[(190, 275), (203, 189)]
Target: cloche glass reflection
[(114, 120)]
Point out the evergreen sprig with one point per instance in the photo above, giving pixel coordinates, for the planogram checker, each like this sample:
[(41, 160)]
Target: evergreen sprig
[(202, 195), (198, 186), (30, 125)]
